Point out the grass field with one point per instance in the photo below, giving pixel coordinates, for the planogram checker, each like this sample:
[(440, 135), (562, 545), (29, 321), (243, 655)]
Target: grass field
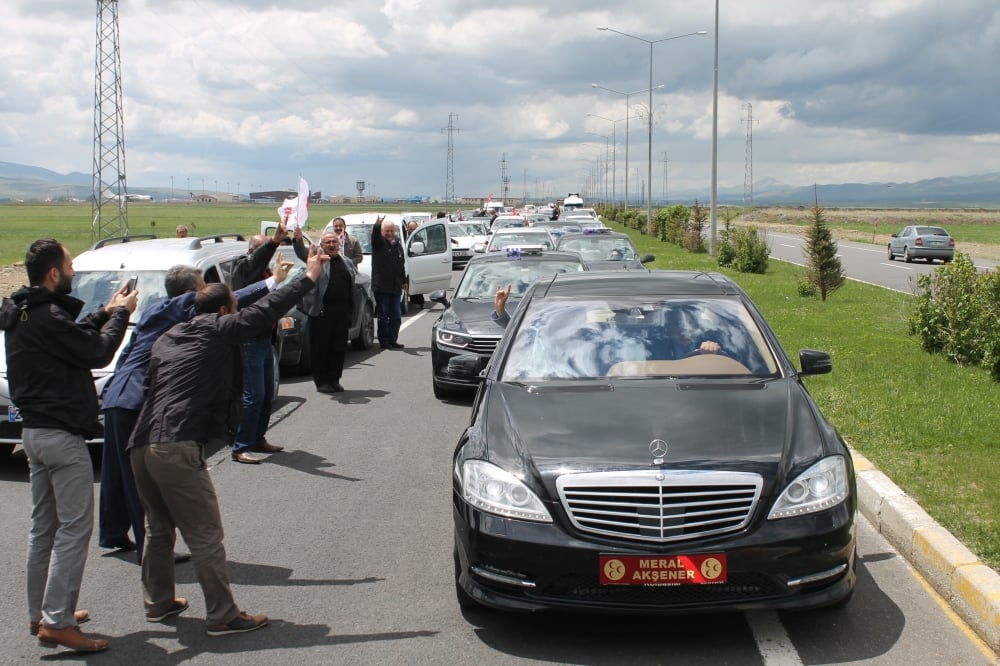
[(931, 426)]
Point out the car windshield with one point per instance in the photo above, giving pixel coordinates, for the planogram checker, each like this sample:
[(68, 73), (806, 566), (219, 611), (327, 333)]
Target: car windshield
[(501, 241), (481, 279), (95, 289), (363, 234), (587, 338), (599, 248), (466, 229)]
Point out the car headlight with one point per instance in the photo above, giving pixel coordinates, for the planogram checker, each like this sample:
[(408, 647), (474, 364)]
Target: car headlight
[(451, 339), (821, 487), (491, 489)]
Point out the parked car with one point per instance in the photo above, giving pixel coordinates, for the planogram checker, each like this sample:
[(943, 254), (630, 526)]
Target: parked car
[(292, 335), (104, 268), (501, 239), (464, 238), (607, 469), (427, 250), (466, 324), (922, 242), (605, 250)]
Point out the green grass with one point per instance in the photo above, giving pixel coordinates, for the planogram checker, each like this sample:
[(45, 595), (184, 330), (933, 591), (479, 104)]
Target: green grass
[(931, 426), (70, 223)]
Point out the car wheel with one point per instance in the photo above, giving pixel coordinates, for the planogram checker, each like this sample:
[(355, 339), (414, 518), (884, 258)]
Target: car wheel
[(907, 257), (892, 257), (366, 336), (465, 601), (277, 373), (304, 366)]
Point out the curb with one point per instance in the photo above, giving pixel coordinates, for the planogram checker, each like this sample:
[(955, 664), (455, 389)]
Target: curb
[(971, 588)]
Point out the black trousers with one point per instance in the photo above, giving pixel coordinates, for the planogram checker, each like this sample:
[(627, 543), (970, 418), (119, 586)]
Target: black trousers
[(328, 343), (119, 507)]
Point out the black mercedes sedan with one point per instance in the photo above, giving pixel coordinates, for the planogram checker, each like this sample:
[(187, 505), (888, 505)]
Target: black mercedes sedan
[(467, 327), (641, 443)]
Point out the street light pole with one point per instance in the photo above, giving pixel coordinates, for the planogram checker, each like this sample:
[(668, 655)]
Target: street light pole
[(605, 137), (627, 95), (715, 140), (649, 146)]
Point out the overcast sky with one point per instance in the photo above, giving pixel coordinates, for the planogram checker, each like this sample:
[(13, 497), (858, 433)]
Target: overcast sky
[(225, 94)]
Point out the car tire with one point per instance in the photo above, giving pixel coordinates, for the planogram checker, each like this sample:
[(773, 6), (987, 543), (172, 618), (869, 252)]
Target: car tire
[(366, 336), (5, 451), (304, 366), (906, 255), (892, 257)]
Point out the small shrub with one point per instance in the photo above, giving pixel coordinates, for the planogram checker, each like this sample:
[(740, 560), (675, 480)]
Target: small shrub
[(807, 289), (751, 251)]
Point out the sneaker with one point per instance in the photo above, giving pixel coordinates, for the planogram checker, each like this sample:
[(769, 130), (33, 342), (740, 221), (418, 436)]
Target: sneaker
[(179, 606), (240, 624)]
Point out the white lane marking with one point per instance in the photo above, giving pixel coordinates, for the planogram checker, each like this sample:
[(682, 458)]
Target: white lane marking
[(788, 245), (773, 643), (411, 319), (895, 265)]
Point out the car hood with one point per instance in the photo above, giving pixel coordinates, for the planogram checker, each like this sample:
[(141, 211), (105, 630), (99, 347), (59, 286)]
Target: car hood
[(770, 427), (472, 317)]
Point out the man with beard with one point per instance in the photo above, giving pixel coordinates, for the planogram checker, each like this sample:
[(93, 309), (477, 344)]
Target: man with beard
[(49, 359)]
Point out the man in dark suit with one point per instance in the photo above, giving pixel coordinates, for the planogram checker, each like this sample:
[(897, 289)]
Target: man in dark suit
[(330, 306), (119, 506)]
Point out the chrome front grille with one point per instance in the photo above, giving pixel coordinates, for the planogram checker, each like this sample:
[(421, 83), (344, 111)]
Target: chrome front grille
[(483, 345), (659, 505)]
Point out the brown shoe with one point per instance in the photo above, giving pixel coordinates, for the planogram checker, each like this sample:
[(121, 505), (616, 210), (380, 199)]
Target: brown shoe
[(246, 458), (80, 616), (240, 624), (267, 447), (70, 637)]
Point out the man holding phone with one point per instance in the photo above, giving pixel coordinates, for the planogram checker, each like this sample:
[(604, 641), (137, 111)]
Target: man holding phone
[(49, 359)]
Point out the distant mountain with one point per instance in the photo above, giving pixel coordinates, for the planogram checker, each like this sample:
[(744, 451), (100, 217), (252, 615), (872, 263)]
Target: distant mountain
[(982, 191), (22, 182)]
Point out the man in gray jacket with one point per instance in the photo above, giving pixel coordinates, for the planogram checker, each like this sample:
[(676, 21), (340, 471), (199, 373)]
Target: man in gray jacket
[(194, 392)]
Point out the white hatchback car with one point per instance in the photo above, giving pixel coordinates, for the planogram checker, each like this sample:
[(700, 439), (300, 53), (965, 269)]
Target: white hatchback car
[(109, 264)]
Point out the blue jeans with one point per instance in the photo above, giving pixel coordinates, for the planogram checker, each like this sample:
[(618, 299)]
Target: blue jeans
[(258, 393), (389, 318)]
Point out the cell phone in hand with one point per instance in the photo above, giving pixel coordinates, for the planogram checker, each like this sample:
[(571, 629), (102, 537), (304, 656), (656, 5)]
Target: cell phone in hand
[(132, 281)]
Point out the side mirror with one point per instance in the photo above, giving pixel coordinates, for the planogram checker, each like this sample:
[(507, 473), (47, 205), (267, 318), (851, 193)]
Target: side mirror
[(814, 362), (416, 249), (438, 296), (466, 366), (646, 258)]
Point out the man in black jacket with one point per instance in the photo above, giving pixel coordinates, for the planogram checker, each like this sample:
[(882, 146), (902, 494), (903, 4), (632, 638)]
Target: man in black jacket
[(389, 278), (49, 359), (258, 355), (193, 397)]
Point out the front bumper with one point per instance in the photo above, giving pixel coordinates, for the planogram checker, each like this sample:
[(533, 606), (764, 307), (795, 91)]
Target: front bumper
[(443, 380), (794, 563)]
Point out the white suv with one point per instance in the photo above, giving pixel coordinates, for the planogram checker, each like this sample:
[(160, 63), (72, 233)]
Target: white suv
[(105, 267)]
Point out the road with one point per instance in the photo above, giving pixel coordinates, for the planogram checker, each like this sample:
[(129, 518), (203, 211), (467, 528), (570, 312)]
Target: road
[(863, 261), (345, 541)]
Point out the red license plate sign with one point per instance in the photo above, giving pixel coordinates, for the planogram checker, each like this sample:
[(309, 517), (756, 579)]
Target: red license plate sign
[(662, 569)]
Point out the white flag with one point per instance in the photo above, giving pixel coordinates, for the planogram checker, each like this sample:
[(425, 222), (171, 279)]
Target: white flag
[(296, 209)]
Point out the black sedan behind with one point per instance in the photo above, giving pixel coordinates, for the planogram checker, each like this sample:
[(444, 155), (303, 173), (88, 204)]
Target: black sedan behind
[(466, 325)]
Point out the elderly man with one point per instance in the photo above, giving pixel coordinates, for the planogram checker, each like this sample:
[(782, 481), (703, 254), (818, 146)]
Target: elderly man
[(49, 359), (389, 278), (329, 306), (193, 399)]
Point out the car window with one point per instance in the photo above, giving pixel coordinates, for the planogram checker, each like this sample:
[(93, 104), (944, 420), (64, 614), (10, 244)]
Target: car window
[(595, 338), (434, 238), (482, 279), (606, 248), (95, 289), (363, 234), (501, 241), (931, 231)]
